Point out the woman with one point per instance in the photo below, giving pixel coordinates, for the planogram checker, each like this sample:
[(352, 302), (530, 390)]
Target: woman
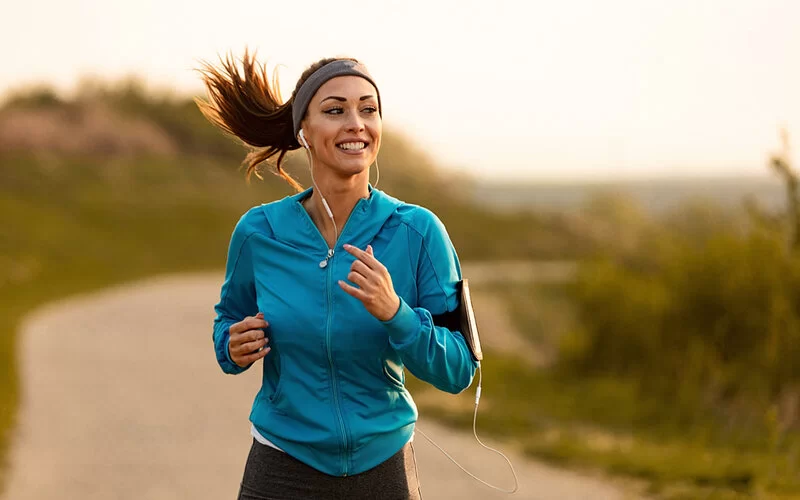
[(335, 288)]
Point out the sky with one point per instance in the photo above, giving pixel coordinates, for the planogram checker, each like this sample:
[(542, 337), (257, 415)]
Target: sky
[(504, 90)]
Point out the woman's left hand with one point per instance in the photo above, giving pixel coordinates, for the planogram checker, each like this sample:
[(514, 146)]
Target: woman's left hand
[(375, 288)]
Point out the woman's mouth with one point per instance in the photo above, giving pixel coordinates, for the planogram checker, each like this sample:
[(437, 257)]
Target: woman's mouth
[(353, 147)]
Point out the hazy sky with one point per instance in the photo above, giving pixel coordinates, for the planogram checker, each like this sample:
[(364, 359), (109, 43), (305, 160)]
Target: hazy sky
[(537, 89)]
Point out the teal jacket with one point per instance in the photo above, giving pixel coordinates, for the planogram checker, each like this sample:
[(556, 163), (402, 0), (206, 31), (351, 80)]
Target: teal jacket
[(332, 392)]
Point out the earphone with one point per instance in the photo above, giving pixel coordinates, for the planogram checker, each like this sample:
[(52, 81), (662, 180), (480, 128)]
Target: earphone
[(303, 139)]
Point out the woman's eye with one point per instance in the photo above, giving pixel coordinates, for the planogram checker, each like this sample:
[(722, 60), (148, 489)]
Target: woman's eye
[(340, 110)]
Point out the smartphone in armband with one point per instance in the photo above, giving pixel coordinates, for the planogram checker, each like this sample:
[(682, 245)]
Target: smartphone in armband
[(462, 319), (469, 327)]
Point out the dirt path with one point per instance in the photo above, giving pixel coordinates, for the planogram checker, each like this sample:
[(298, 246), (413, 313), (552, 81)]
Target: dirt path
[(495, 326), (122, 399)]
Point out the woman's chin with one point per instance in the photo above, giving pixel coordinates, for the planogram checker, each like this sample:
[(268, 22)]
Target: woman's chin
[(353, 167)]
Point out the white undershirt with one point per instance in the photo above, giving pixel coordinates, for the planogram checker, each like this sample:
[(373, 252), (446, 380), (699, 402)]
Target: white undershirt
[(261, 439), (266, 442)]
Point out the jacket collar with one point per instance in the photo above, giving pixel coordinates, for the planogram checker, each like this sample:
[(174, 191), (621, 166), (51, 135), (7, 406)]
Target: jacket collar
[(292, 225)]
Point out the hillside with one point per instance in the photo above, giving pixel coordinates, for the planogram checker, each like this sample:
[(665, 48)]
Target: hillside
[(655, 196)]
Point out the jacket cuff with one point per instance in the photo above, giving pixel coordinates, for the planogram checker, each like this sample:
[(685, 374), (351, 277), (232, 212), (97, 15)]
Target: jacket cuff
[(231, 368), (228, 352), (404, 326)]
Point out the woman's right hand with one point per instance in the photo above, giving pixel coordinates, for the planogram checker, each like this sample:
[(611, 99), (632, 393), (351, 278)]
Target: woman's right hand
[(247, 340)]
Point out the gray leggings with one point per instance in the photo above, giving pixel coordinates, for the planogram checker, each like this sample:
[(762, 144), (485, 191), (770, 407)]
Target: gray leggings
[(271, 474)]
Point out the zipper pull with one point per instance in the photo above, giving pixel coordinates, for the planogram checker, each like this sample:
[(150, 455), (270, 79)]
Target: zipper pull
[(323, 264)]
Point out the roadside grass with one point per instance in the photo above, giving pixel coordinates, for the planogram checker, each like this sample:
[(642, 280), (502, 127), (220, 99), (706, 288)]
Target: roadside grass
[(609, 425), (72, 226)]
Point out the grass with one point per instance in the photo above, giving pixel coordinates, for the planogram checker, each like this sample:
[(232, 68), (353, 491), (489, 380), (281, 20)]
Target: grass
[(74, 226), (610, 425), (606, 425)]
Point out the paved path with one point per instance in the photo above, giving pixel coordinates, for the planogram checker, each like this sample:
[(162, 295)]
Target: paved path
[(122, 399)]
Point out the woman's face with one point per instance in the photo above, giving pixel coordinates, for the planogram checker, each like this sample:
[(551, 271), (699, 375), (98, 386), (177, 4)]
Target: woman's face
[(343, 126)]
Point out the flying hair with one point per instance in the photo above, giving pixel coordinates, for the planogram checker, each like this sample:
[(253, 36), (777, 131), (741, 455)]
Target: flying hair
[(247, 104)]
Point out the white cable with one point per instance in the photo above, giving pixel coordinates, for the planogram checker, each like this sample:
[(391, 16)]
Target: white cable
[(322, 197), (475, 433), (378, 169)]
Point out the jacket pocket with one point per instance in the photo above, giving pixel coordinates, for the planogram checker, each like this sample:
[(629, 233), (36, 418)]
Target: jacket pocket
[(277, 395), (393, 372)]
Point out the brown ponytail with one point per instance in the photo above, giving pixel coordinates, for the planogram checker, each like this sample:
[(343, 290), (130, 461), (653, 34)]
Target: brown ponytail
[(249, 107)]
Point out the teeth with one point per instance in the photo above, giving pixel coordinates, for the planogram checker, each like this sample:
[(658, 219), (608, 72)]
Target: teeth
[(352, 145)]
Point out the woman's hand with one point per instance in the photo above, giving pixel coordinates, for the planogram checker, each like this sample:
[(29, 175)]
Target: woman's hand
[(248, 340), (375, 288)]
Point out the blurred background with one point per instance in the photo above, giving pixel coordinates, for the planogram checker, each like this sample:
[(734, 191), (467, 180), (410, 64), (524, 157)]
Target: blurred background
[(616, 176)]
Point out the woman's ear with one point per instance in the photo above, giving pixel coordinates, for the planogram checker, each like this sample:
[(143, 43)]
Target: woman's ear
[(301, 136)]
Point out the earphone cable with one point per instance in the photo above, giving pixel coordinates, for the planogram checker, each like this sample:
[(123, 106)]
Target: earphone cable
[(322, 197), (475, 433)]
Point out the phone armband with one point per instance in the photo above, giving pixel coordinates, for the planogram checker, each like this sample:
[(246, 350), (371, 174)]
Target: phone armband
[(462, 319)]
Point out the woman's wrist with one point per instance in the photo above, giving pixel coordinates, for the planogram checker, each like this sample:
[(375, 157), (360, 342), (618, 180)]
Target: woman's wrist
[(392, 311)]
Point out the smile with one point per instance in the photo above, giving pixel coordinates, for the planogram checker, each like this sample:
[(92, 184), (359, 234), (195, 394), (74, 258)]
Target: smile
[(352, 146)]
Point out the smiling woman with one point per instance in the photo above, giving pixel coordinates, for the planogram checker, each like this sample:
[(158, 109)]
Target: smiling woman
[(336, 316)]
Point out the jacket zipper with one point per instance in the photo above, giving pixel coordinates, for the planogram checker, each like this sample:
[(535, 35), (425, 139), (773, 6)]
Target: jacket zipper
[(333, 374), (325, 264)]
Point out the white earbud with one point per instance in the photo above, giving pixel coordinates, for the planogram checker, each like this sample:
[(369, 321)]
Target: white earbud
[(303, 139)]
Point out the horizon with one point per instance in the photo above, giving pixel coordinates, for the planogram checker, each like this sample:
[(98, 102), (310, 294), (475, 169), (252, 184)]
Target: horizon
[(766, 177), (577, 92)]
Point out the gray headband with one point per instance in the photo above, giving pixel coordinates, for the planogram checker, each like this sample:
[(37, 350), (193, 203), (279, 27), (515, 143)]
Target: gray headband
[(340, 67)]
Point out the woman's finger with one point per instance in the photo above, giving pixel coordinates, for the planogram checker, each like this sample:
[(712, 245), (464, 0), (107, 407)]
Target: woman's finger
[(251, 358), (365, 257), (249, 323), (361, 268), (358, 279), (251, 347), (248, 336), (378, 265), (355, 292)]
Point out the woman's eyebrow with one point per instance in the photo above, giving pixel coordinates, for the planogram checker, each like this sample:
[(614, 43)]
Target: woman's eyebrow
[(335, 97), (343, 99)]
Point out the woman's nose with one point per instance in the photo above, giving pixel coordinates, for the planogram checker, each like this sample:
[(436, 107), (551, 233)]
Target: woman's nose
[(355, 122)]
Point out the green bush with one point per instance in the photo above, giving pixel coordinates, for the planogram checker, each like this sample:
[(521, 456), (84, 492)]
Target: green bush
[(706, 318)]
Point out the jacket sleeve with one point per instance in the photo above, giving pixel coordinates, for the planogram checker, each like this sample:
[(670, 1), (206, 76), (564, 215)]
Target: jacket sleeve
[(237, 297), (432, 353)]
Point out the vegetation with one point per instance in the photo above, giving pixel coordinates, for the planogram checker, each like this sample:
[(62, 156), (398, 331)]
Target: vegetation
[(676, 353)]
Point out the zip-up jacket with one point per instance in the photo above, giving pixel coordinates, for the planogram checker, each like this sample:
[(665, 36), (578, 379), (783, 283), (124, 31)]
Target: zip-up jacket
[(332, 392)]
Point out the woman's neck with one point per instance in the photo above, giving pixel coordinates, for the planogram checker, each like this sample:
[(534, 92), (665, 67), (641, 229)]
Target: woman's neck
[(341, 196)]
